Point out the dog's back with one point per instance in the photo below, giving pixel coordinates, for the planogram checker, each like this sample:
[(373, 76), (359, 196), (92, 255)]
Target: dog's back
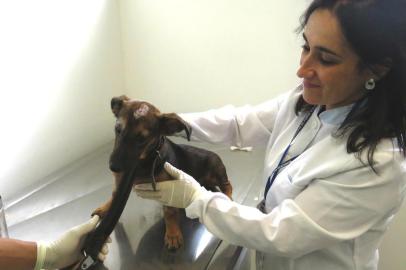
[(205, 166)]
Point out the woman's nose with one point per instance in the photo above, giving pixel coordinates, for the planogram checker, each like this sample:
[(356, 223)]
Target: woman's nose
[(305, 70)]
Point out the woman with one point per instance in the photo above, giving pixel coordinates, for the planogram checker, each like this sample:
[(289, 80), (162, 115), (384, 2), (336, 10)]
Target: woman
[(64, 251), (334, 146)]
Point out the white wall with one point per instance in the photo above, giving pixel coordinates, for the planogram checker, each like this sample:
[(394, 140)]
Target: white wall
[(187, 55), (62, 61), (60, 65)]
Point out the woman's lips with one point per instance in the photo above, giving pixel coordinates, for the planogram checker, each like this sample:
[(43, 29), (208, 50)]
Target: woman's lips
[(310, 85)]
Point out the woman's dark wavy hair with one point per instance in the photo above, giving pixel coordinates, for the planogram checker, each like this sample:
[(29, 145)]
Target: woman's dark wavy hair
[(376, 31)]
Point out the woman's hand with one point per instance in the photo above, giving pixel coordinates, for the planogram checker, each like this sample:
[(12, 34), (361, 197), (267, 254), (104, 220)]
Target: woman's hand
[(179, 192), (66, 250)]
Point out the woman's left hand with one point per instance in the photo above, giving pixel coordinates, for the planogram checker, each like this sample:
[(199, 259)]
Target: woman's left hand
[(179, 192)]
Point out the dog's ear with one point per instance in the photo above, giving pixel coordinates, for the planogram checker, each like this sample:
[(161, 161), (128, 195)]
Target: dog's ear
[(171, 123), (117, 103)]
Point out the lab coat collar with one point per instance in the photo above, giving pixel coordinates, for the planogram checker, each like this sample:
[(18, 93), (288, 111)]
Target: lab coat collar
[(335, 116)]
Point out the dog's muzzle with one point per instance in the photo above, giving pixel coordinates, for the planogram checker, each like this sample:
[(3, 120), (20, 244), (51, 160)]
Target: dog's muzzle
[(115, 167)]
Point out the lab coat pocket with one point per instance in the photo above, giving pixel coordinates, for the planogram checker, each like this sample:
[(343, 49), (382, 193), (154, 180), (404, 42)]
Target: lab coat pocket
[(283, 188)]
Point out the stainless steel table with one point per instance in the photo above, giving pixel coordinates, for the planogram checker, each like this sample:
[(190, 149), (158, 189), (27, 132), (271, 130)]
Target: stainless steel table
[(67, 198)]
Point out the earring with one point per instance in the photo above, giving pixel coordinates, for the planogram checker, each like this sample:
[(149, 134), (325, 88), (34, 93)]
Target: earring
[(370, 84)]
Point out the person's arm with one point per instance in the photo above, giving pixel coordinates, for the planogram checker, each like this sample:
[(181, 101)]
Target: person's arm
[(237, 126), (327, 211), (17, 254), (62, 252)]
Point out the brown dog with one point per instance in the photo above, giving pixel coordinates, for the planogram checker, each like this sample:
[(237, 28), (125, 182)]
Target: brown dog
[(140, 144)]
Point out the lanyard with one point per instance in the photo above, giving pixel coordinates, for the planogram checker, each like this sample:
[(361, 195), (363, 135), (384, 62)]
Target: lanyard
[(282, 162)]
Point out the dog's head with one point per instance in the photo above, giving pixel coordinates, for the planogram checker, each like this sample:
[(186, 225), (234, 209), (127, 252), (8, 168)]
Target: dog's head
[(138, 131)]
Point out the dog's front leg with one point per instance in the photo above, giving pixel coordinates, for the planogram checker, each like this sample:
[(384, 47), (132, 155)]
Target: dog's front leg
[(173, 234), (102, 210)]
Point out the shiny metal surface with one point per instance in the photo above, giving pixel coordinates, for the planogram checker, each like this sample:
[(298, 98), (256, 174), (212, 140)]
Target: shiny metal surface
[(69, 196)]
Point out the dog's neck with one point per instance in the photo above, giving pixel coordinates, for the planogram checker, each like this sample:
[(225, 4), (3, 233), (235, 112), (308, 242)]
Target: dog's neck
[(160, 157), (154, 162)]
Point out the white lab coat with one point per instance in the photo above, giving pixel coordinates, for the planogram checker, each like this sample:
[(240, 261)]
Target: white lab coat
[(325, 210)]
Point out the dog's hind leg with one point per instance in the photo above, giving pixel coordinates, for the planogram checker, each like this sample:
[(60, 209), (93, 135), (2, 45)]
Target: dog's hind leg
[(222, 179), (226, 188)]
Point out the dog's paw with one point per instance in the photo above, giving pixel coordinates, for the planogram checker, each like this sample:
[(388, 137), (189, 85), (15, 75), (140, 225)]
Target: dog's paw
[(173, 240), (101, 212)]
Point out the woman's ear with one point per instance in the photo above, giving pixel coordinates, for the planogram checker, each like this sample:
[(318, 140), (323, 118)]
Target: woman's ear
[(378, 71)]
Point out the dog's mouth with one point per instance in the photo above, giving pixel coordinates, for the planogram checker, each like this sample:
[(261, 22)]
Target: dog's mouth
[(144, 170), (142, 166), (144, 163), (121, 161), (120, 167), (114, 168)]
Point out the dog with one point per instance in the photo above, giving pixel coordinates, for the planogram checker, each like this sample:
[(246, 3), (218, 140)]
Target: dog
[(141, 145)]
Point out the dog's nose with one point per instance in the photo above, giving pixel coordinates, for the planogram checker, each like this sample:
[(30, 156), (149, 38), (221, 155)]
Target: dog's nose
[(114, 167)]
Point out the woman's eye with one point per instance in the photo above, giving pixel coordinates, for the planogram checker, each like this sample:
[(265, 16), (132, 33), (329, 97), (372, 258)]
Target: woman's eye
[(327, 61)]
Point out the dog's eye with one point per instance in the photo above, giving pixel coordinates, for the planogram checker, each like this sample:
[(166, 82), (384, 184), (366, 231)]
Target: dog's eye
[(137, 138)]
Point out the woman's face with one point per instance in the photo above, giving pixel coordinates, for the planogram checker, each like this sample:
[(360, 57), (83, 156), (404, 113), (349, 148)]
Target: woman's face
[(328, 65)]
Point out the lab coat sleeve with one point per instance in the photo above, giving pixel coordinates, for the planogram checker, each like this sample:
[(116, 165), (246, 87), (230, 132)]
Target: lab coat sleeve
[(324, 213), (229, 125)]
